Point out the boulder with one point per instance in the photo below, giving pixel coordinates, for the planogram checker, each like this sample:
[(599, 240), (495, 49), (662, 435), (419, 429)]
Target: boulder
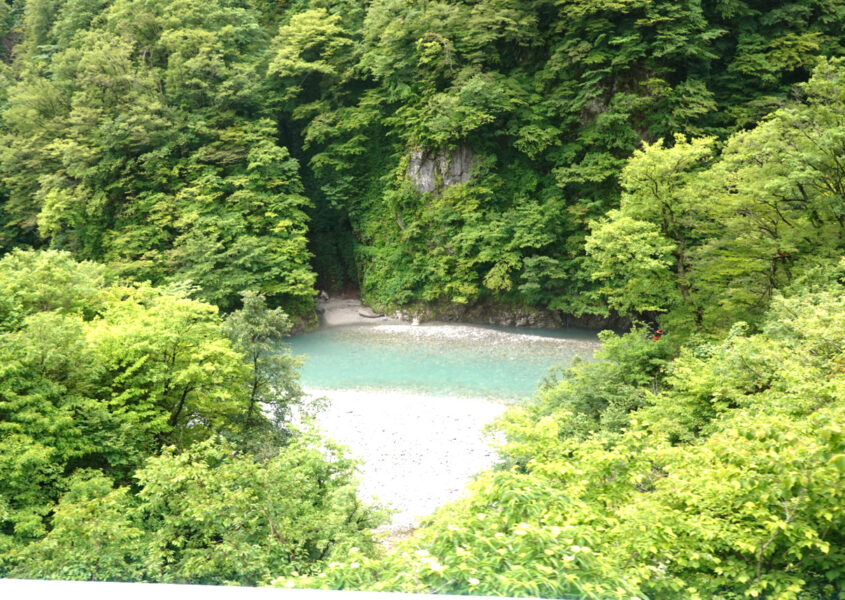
[(369, 313)]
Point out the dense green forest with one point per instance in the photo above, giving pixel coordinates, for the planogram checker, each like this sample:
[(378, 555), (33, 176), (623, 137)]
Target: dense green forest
[(145, 437), (178, 178)]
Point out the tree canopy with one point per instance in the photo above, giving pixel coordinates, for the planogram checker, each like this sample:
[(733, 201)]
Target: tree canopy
[(137, 423), (249, 145), (178, 178)]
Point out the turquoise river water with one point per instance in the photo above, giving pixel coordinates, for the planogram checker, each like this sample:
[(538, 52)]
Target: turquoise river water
[(432, 359)]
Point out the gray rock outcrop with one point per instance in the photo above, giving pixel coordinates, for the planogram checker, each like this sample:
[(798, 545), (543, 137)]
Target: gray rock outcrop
[(484, 313), (492, 313), (437, 170)]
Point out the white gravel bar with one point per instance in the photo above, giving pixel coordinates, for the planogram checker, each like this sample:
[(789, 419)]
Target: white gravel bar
[(418, 451)]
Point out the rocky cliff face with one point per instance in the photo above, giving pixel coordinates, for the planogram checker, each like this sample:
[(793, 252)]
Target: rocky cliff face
[(437, 170)]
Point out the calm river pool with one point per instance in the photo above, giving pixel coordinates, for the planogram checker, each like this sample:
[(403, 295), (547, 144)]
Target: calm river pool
[(437, 359)]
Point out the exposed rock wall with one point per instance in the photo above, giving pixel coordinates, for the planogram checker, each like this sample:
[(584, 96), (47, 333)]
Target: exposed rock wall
[(491, 313), (346, 311), (487, 314), (437, 170)]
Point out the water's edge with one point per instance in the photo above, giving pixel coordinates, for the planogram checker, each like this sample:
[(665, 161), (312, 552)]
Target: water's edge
[(412, 401), (437, 359)]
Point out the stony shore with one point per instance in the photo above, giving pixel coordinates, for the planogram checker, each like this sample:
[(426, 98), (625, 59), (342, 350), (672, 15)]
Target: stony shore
[(343, 311), (418, 452)]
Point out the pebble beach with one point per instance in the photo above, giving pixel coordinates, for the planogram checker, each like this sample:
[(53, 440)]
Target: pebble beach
[(418, 448), (418, 452)]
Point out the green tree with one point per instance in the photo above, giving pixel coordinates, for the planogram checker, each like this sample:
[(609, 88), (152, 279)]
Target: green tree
[(100, 376), (549, 98), (740, 226), (215, 516), (135, 442), (257, 333), (93, 536), (143, 143)]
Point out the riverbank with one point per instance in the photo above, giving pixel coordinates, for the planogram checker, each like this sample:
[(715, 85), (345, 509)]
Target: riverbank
[(418, 452), (350, 311), (411, 400), (346, 311)]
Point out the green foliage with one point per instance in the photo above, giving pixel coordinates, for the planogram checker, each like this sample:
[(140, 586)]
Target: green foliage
[(725, 479), (99, 376), (272, 387), (631, 258), (50, 281), (214, 516), (206, 515), (113, 398), (140, 138), (600, 395), (92, 538), (738, 228), (154, 136), (550, 98)]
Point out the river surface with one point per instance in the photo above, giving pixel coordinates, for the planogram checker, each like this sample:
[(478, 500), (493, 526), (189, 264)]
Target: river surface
[(437, 359), (412, 401)]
